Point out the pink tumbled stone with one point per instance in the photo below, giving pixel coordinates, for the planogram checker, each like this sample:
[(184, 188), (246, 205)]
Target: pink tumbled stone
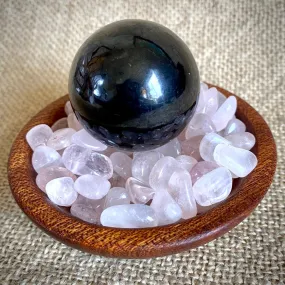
[(61, 138), (242, 140), (186, 161), (172, 148), (201, 168), (73, 122), (208, 101), (60, 124), (38, 136), (191, 147), (47, 174), (234, 126), (67, 108)]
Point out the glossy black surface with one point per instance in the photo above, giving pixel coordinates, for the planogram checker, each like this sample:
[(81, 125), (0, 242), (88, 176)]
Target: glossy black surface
[(134, 84)]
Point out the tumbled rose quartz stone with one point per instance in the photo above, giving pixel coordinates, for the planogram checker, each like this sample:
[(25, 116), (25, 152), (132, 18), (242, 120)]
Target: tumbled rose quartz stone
[(208, 144), (88, 210), (73, 122), (38, 135), (191, 147), (180, 188), (234, 126), (117, 196), (239, 161), (61, 191), (242, 140), (92, 186), (117, 180), (186, 161), (221, 99), (201, 168), (80, 161), (45, 156), (213, 187), (47, 174), (143, 163), (59, 124), (122, 164), (161, 171), (208, 101), (84, 139), (166, 209), (61, 138), (200, 124), (139, 192), (225, 113), (172, 148), (67, 108), (129, 216)]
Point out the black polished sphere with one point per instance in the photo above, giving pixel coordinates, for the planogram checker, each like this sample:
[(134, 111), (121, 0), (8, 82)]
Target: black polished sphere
[(134, 84)]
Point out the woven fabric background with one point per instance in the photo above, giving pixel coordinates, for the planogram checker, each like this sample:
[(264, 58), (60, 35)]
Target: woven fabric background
[(239, 45)]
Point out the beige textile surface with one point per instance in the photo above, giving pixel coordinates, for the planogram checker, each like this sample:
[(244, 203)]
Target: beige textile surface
[(239, 45)]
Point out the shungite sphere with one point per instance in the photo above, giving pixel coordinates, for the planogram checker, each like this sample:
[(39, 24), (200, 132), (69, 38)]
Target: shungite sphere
[(134, 85)]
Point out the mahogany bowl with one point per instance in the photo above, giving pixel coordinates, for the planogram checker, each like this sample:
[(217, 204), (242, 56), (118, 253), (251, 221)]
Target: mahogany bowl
[(148, 242)]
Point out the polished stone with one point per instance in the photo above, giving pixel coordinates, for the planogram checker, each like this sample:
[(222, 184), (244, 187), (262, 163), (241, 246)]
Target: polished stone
[(186, 161), (38, 135), (122, 164), (61, 138), (117, 196), (242, 140), (60, 124), (134, 84)]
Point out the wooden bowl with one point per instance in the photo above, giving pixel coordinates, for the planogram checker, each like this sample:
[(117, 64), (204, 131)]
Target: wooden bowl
[(149, 242)]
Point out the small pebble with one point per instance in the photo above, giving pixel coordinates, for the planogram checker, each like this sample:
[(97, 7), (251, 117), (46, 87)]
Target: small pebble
[(44, 157), (139, 192), (117, 196), (186, 161), (239, 161), (84, 139), (60, 124), (166, 209), (201, 168), (47, 174), (208, 101), (208, 144), (129, 216), (38, 136), (73, 122), (225, 113), (191, 147), (143, 163), (122, 164), (242, 140), (61, 138), (180, 185), (234, 126), (213, 187), (92, 186), (61, 191), (67, 108), (172, 148)]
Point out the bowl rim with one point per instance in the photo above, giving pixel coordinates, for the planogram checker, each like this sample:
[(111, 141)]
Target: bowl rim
[(146, 242)]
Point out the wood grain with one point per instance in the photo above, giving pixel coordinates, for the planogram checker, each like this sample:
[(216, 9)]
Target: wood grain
[(141, 243)]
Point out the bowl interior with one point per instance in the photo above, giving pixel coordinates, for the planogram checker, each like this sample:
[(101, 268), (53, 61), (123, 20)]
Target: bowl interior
[(150, 242)]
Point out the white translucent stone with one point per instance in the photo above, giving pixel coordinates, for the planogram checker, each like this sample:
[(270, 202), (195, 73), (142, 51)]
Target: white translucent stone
[(172, 148), (239, 161), (208, 144), (117, 196), (191, 147), (221, 98), (45, 156), (242, 140), (80, 161), (180, 188), (143, 163), (213, 187), (61, 191), (60, 124), (38, 136), (47, 174), (166, 209), (88, 210), (201, 168), (186, 161), (161, 172), (117, 180), (83, 138), (234, 126), (225, 113), (92, 186), (203, 86), (122, 164), (73, 122), (129, 216), (209, 102), (139, 192), (200, 124), (61, 139), (67, 108)]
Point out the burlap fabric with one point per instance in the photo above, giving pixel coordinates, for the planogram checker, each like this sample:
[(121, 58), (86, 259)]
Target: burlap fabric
[(239, 45)]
